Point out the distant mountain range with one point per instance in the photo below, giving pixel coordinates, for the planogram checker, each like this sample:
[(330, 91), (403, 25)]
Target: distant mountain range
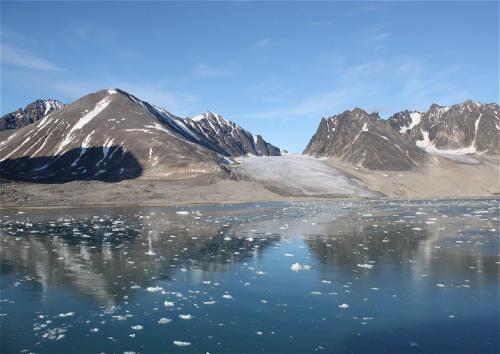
[(406, 139), (112, 135)]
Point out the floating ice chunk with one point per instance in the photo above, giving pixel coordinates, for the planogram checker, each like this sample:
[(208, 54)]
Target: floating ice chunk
[(209, 302), (137, 328), (344, 306), (326, 281), (154, 289), (94, 330), (182, 212), (367, 266), (168, 304), (67, 314), (186, 317), (316, 293), (164, 320), (296, 267), (440, 285), (289, 255), (259, 333), (227, 296), (181, 343)]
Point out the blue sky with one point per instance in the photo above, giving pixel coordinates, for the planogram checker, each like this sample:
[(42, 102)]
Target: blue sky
[(275, 68)]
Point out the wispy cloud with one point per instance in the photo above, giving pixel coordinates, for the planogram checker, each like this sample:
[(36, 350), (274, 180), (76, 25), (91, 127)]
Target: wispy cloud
[(385, 85), (379, 35), (320, 23), (313, 106), (263, 43), (12, 55), (204, 70)]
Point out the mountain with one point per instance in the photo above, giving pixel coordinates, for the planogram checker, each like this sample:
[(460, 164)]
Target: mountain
[(31, 113), (364, 139), (404, 140), (465, 128), (228, 138), (112, 135)]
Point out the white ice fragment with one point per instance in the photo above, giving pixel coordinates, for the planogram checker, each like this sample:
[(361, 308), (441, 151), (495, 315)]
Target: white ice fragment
[(182, 212), (344, 306), (367, 266), (186, 317), (164, 320), (296, 267), (181, 343), (154, 289), (137, 328), (168, 304), (67, 314)]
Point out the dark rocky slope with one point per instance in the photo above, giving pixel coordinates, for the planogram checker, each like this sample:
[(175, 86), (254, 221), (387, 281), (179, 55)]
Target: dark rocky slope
[(30, 114), (364, 139)]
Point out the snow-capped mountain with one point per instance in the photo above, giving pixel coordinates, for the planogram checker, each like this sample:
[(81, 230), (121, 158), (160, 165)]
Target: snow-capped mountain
[(406, 138), (111, 135), (31, 113), (227, 137), (364, 139), (465, 128)]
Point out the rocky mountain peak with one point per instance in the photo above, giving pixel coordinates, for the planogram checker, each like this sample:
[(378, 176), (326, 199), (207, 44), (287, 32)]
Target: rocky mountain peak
[(112, 135), (464, 128), (363, 139), (33, 112)]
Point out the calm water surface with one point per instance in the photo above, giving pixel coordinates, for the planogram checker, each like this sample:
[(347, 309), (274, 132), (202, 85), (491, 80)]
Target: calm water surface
[(338, 277)]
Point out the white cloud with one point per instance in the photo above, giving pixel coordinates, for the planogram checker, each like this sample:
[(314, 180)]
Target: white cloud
[(384, 85), (321, 104), (263, 43), (12, 55), (206, 71), (379, 36)]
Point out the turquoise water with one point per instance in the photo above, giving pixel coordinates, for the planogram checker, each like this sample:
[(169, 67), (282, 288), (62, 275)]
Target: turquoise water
[(333, 277)]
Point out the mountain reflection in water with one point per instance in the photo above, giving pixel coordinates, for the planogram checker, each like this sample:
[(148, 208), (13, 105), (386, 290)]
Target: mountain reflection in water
[(344, 276)]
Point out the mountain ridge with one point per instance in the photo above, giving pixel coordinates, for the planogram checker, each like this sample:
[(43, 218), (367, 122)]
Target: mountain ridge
[(90, 138), (411, 136)]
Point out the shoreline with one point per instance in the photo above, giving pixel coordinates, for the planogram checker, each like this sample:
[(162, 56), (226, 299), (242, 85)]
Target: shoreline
[(237, 202)]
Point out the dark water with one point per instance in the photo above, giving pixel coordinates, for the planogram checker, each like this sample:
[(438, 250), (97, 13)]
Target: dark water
[(340, 277)]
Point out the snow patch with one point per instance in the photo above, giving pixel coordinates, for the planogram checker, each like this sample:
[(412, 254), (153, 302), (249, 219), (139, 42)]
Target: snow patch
[(415, 119)]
